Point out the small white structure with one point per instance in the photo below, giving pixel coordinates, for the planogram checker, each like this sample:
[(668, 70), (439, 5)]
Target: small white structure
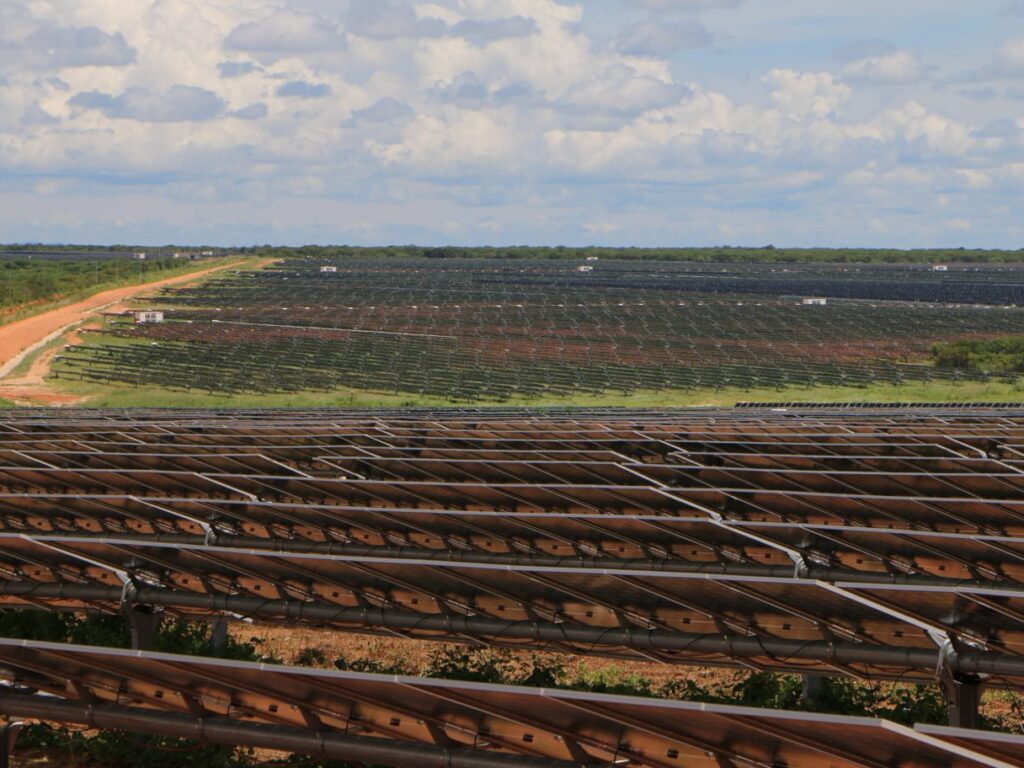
[(149, 316), (815, 301), (940, 268), (328, 270), (593, 258), (139, 256), (584, 268), (206, 253)]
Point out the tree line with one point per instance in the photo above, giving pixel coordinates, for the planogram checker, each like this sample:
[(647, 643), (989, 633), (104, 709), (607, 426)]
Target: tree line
[(767, 254)]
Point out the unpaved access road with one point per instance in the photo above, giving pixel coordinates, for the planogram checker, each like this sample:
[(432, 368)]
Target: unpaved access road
[(22, 338)]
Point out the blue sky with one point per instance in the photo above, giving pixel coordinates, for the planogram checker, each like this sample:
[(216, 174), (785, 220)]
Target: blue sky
[(620, 122)]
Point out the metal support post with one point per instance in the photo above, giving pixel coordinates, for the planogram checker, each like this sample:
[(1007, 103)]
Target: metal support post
[(145, 621), (219, 636), (962, 690), (963, 697), (811, 693), (8, 735)]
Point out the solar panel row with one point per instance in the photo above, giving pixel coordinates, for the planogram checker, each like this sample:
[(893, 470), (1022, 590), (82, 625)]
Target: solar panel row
[(783, 623), (417, 722)]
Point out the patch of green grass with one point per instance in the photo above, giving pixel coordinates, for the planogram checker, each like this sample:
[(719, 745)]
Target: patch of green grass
[(121, 396)]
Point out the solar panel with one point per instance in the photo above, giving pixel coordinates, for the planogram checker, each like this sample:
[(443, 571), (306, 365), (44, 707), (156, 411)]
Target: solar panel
[(774, 623), (405, 721), (996, 746)]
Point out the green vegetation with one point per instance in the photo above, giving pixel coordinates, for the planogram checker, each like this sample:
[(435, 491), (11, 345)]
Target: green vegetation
[(113, 631), (123, 396), (1003, 356), (900, 703), (34, 284), (722, 254)]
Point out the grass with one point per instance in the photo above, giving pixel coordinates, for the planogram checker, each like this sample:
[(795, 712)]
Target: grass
[(121, 396)]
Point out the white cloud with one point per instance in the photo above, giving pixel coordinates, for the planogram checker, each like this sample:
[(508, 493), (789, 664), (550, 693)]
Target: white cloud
[(179, 103), (26, 39), (1009, 58), (918, 130), (894, 68), (800, 95)]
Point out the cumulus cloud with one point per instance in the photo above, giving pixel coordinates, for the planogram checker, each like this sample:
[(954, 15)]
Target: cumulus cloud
[(620, 89), (26, 39), (921, 133), (179, 103), (893, 68), (1009, 58), (800, 95)]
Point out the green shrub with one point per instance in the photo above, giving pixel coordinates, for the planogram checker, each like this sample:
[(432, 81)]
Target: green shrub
[(455, 662), (1003, 356), (310, 657), (611, 680)]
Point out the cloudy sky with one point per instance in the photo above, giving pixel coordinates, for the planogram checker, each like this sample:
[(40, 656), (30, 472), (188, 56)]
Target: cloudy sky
[(649, 122)]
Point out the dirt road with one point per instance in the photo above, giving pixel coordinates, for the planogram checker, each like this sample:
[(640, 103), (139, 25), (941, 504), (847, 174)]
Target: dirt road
[(20, 339), (32, 388)]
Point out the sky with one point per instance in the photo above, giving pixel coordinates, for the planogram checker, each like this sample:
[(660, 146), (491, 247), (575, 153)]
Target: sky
[(536, 122)]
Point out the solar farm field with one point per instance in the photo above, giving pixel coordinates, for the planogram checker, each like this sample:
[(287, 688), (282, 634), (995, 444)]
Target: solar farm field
[(528, 331)]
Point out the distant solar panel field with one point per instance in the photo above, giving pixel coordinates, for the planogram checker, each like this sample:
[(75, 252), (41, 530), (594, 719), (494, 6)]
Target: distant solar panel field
[(502, 329)]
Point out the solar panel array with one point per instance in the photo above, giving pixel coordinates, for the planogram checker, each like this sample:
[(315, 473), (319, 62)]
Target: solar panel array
[(499, 329), (867, 543)]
